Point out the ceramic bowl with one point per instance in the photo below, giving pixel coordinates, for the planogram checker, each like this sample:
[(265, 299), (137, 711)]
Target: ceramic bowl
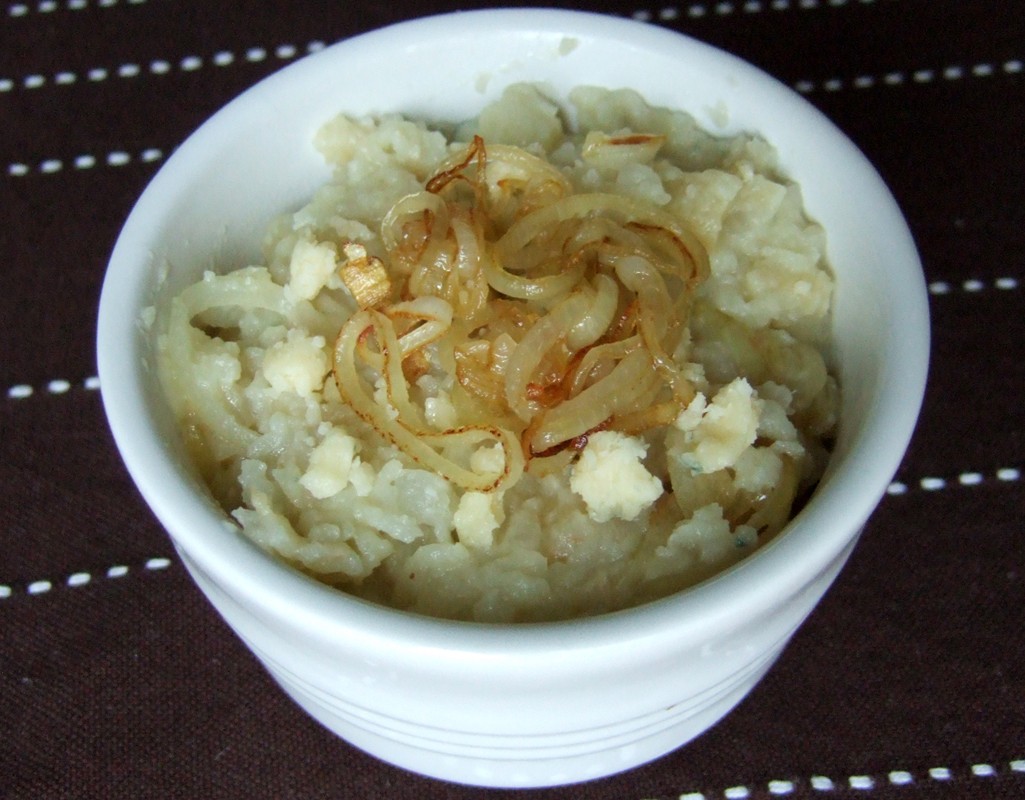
[(519, 705)]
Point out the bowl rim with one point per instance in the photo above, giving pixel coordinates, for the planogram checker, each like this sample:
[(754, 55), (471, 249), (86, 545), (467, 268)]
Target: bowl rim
[(768, 576)]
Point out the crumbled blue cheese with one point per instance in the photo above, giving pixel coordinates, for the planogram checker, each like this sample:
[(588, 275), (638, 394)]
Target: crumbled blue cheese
[(479, 514), (708, 537), (312, 267), (775, 424), (611, 479), (488, 460), (382, 399), (718, 432), (758, 470), (439, 411), (331, 463), (475, 519), (296, 364)]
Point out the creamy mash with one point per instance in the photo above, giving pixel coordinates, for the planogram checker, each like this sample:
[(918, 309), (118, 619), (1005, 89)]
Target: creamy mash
[(520, 368)]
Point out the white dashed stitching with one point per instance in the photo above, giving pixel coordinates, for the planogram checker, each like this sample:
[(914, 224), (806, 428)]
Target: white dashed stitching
[(84, 161), (77, 579), (127, 71), (974, 285), (922, 76), (22, 391), (935, 483), (900, 778), (52, 6), (725, 8), (861, 784)]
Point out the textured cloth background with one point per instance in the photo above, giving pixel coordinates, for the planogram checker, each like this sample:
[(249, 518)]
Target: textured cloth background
[(117, 680)]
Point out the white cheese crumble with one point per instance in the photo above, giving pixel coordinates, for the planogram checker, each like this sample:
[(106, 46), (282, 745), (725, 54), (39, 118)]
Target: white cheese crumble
[(311, 268), (488, 460), (439, 411), (382, 399), (331, 463), (611, 479), (718, 432), (708, 537), (475, 520), (297, 364)]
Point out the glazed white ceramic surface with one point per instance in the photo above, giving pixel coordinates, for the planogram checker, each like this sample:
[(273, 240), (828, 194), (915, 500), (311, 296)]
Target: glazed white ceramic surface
[(529, 705)]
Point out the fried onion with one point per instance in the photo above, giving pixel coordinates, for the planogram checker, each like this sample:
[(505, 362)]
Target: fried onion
[(561, 312)]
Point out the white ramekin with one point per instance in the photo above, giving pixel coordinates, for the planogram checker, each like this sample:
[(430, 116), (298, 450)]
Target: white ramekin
[(527, 705)]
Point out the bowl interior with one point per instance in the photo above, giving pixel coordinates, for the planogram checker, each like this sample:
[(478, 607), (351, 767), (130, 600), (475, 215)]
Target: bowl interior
[(208, 206)]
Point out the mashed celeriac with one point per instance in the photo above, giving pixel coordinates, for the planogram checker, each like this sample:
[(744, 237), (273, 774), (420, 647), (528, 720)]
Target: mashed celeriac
[(553, 361)]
